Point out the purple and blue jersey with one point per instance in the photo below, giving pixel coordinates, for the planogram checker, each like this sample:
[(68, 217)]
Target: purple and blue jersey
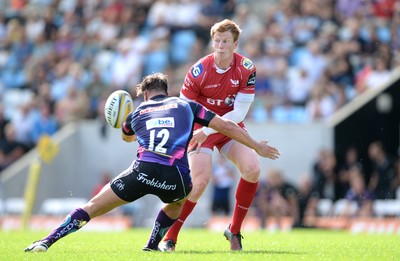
[(164, 126)]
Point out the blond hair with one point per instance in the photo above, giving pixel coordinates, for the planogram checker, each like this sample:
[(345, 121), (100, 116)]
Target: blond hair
[(226, 26)]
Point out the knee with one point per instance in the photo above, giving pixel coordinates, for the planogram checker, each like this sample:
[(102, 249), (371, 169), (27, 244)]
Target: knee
[(199, 186), (201, 180), (250, 172)]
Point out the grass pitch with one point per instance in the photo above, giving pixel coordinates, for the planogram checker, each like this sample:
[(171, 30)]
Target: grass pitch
[(200, 244)]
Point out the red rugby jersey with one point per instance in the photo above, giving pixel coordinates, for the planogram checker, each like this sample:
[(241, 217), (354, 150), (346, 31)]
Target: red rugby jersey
[(217, 91)]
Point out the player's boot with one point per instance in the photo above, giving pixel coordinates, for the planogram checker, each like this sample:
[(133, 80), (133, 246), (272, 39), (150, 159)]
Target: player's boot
[(38, 246), (168, 246), (234, 239), (148, 249)]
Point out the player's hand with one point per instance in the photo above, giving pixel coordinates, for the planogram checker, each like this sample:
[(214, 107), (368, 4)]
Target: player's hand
[(266, 151), (129, 138), (197, 139)]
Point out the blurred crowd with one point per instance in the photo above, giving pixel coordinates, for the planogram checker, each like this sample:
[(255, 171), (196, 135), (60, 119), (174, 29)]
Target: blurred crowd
[(60, 59), (333, 189)]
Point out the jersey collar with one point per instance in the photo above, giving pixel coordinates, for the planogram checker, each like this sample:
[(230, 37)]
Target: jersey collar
[(221, 71), (158, 97)]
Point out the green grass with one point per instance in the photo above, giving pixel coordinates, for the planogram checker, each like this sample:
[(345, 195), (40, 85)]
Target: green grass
[(199, 244)]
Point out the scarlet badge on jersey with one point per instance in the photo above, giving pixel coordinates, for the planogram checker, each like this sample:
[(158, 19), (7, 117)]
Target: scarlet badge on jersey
[(247, 63)]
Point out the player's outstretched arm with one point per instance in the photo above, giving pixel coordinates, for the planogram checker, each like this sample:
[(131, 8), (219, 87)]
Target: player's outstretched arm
[(240, 109), (234, 131), (129, 138), (128, 134)]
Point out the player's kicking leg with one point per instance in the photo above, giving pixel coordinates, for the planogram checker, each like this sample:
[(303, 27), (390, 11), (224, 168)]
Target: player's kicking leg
[(100, 204)]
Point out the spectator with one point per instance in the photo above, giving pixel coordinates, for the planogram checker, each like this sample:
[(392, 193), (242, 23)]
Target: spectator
[(21, 48), (3, 30), (126, 69), (351, 160), (50, 26), (299, 86), (62, 80), (337, 94), (3, 122), (396, 180), (94, 92), (320, 104), (105, 179), (346, 9), (10, 149), (251, 24), (44, 95), (222, 181), (308, 201), (64, 42), (157, 58), (107, 31), (159, 12), (339, 69), (324, 177), (358, 198), (73, 107), (23, 118), (37, 73), (277, 43), (209, 14), (276, 199), (44, 122), (34, 25), (379, 74), (278, 80), (85, 47), (183, 25), (382, 178)]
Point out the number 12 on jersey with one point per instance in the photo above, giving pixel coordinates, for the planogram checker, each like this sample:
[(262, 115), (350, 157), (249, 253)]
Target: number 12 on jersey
[(163, 134)]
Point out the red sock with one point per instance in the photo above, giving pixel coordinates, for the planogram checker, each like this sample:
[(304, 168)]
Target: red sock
[(176, 227), (245, 193)]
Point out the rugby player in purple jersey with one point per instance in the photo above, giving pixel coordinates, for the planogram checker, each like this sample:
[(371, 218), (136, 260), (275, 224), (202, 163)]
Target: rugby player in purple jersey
[(163, 127)]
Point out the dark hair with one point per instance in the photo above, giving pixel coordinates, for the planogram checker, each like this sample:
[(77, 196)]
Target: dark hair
[(153, 82)]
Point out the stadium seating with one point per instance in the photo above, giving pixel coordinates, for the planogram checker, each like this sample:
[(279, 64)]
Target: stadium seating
[(182, 43), (14, 98), (61, 206), (324, 207), (340, 206), (14, 206), (386, 208)]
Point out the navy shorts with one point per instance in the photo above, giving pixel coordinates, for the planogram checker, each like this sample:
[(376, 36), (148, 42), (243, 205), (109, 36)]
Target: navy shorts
[(169, 183)]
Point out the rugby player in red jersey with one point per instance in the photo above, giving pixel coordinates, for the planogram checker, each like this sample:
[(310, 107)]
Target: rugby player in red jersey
[(223, 82)]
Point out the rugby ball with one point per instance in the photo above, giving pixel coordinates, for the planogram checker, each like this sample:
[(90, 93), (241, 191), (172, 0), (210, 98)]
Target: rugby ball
[(118, 105)]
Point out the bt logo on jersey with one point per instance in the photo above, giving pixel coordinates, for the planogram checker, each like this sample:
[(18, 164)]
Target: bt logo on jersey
[(167, 122), (216, 102)]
